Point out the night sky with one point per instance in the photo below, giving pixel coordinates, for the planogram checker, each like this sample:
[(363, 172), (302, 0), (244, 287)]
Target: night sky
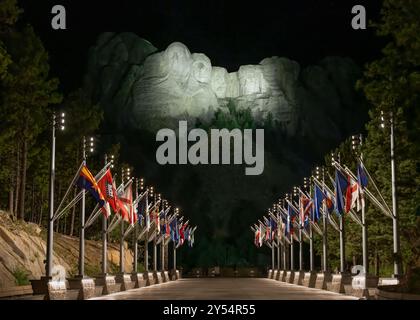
[(230, 33)]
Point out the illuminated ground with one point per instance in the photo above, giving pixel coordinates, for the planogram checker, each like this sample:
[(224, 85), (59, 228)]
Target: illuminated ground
[(226, 288)]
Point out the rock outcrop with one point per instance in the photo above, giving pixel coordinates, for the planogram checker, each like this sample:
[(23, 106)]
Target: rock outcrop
[(142, 88), (22, 251)]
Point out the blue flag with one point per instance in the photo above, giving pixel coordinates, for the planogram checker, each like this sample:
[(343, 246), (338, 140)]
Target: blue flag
[(141, 209), (340, 187), (362, 176), (273, 226), (291, 215), (174, 230), (319, 196)]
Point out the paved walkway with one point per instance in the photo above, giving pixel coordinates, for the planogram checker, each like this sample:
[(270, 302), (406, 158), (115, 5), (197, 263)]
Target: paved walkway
[(225, 289)]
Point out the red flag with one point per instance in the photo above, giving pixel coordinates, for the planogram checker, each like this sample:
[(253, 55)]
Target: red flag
[(182, 234), (107, 187)]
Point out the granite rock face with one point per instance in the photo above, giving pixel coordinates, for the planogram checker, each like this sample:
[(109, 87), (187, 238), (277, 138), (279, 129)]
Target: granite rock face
[(142, 88), (22, 248)]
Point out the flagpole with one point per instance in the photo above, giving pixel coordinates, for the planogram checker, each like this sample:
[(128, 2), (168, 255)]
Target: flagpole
[(395, 220), (104, 237), (300, 250), (357, 142), (278, 253), (324, 229), (154, 255), (154, 238), (135, 234), (292, 254), (49, 258), (146, 252), (311, 248), (284, 253), (342, 245), (122, 269), (272, 256), (174, 255), (162, 254), (82, 222), (311, 235)]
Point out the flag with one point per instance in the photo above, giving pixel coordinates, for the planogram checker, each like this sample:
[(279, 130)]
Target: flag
[(257, 237), (291, 216), (267, 233), (362, 180), (157, 219), (107, 187), (340, 190), (173, 229), (191, 238), (126, 201), (142, 208), (182, 233), (147, 213), (352, 194), (284, 224), (177, 235), (273, 227), (167, 229), (319, 197), (305, 209), (87, 181), (187, 235), (329, 203), (260, 239)]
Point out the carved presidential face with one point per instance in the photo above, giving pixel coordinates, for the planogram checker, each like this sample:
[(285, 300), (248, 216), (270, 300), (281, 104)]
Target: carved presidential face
[(179, 61), (201, 68)]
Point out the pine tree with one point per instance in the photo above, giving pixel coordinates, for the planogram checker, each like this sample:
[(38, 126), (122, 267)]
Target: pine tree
[(27, 93), (392, 84)]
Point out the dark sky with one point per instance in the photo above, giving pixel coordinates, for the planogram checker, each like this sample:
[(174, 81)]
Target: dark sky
[(230, 33)]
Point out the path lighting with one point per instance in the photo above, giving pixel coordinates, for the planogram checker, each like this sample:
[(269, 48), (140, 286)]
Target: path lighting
[(112, 161), (387, 120), (60, 120)]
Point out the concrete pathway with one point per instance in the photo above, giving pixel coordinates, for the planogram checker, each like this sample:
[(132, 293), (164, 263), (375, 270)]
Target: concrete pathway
[(225, 289)]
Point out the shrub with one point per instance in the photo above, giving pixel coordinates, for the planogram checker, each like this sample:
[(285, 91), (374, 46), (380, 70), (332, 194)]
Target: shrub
[(21, 276)]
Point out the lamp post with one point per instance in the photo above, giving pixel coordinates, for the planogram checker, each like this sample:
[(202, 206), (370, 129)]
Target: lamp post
[(174, 244), (320, 174), (162, 244), (341, 225), (275, 213), (395, 216), (296, 194), (356, 142), (125, 174), (307, 187), (83, 209), (292, 252), (104, 229), (50, 239), (311, 239), (154, 239), (139, 184)]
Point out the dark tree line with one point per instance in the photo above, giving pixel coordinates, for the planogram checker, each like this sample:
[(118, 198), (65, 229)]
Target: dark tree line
[(390, 84), (28, 98)]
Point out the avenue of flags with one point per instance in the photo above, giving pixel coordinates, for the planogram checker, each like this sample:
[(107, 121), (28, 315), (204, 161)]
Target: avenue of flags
[(300, 210), (132, 210), (320, 202), (144, 211)]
